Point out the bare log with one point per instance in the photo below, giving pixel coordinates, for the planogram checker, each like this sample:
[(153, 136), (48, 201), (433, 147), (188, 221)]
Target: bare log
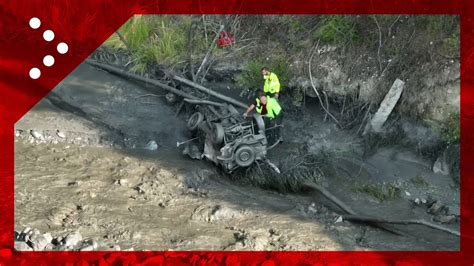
[(208, 91), (124, 73), (380, 220), (204, 102)]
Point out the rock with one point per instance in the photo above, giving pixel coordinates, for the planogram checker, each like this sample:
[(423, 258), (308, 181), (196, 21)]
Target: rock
[(72, 239), (38, 242), (22, 246), (151, 145), (48, 237), (91, 246), (445, 219), (192, 151), (435, 208), (312, 209), (123, 182), (338, 220), (26, 231), (36, 134), (170, 98), (60, 134), (441, 166)]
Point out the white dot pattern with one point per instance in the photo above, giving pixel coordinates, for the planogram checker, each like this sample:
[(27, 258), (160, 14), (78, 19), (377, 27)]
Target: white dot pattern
[(48, 60), (62, 48), (35, 73), (48, 35), (35, 23)]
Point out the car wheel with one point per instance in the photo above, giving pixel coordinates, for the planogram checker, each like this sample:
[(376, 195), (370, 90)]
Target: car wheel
[(244, 156), (217, 134), (195, 120)]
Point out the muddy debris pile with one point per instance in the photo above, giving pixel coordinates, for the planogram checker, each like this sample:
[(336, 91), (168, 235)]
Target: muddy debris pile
[(33, 240)]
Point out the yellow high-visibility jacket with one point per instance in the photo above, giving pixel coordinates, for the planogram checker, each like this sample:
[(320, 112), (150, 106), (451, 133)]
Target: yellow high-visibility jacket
[(273, 108), (272, 84)]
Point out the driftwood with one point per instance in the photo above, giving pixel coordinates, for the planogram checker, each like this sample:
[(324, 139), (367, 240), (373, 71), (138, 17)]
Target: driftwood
[(204, 102), (379, 220), (209, 91), (346, 208), (124, 73)]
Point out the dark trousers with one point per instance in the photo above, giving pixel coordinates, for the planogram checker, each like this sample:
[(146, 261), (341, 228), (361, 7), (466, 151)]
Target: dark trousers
[(273, 128)]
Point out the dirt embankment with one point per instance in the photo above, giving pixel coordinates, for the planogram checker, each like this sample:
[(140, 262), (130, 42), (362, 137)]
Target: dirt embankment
[(85, 161)]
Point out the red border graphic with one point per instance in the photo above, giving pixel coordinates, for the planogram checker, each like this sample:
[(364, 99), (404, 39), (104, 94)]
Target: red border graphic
[(84, 25)]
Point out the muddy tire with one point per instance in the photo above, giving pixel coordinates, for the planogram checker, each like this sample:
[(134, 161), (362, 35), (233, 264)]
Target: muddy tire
[(244, 156), (195, 120), (217, 134), (259, 124)]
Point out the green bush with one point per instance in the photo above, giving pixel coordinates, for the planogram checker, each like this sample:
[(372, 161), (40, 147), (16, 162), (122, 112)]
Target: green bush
[(337, 30), (251, 77)]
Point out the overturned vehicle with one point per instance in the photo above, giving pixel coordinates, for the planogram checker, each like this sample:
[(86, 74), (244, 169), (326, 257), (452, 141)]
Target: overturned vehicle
[(224, 137)]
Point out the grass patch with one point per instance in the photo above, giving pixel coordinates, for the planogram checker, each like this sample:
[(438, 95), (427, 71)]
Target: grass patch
[(337, 30), (159, 39), (381, 192)]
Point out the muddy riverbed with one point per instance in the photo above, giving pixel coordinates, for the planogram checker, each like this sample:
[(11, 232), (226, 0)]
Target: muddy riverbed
[(86, 161)]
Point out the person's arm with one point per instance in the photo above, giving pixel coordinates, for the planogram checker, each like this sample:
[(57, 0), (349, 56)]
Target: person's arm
[(249, 109)]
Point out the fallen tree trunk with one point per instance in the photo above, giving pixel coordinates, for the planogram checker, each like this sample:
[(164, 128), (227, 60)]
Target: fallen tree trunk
[(204, 102), (379, 220), (209, 91), (127, 74), (124, 73)]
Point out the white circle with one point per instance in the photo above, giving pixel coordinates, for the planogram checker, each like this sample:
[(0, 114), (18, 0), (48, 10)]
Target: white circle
[(35, 73), (35, 23), (48, 35), (62, 48), (48, 60)]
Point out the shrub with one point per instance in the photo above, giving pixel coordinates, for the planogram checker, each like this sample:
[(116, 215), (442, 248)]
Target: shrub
[(251, 77), (337, 30)]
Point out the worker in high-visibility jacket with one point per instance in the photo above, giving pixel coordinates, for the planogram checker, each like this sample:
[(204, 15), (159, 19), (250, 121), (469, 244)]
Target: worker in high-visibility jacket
[(271, 110), (271, 85), (266, 106)]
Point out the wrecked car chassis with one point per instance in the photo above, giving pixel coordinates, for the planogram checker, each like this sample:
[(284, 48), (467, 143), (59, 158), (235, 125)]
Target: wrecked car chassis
[(227, 139)]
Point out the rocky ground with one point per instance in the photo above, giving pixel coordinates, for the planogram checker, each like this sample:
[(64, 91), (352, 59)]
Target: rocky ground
[(96, 166)]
